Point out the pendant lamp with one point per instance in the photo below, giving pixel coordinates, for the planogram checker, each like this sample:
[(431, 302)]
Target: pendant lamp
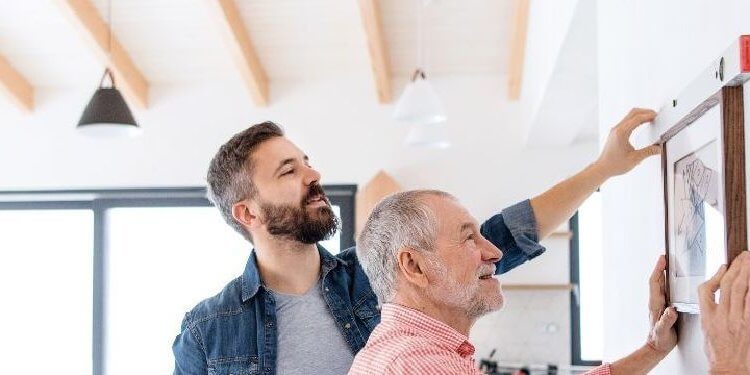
[(107, 114), (433, 136), (419, 103)]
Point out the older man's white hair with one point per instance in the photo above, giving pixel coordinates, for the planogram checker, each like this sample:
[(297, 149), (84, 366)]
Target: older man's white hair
[(400, 220)]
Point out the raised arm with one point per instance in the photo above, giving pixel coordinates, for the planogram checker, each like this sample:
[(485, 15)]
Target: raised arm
[(661, 339), (558, 204)]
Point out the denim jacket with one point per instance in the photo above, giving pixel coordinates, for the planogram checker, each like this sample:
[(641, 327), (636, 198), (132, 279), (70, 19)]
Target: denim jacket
[(234, 332)]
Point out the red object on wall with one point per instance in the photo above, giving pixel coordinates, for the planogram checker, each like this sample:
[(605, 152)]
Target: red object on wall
[(745, 53)]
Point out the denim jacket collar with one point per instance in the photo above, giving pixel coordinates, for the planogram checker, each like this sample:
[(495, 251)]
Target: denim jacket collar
[(251, 281)]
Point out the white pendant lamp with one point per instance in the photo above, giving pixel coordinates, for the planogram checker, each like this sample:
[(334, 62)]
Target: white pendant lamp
[(419, 104), (433, 136)]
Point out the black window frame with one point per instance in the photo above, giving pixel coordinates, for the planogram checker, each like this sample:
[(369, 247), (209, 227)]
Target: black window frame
[(101, 200)]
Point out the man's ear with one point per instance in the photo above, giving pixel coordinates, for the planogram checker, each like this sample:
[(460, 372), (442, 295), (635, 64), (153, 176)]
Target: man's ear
[(245, 212), (411, 264)]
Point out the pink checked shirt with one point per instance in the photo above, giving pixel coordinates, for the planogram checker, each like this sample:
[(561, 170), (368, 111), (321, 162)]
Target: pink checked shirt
[(409, 342)]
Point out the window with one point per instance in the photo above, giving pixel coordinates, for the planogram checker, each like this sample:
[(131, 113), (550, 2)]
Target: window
[(46, 278), (161, 261), (126, 265), (586, 274)]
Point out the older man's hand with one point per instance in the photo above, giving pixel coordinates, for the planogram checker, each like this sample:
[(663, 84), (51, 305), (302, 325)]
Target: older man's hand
[(726, 325), (619, 156), (663, 336)]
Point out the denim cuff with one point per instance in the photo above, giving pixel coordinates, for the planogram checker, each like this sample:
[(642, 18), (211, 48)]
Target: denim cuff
[(520, 220)]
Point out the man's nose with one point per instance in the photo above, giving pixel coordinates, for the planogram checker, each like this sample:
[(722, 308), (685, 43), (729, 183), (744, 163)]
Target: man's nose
[(490, 252), (311, 175)]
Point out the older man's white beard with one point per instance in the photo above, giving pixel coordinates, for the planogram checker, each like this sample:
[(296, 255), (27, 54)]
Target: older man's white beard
[(451, 293)]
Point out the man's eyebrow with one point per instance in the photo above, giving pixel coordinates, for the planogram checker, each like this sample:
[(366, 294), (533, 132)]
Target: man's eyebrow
[(467, 226)]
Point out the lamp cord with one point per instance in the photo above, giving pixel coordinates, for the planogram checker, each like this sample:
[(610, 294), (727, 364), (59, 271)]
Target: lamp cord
[(420, 52), (107, 71), (109, 32)]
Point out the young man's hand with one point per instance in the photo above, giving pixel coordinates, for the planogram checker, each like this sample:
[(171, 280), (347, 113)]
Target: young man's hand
[(726, 325), (663, 337), (619, 156)]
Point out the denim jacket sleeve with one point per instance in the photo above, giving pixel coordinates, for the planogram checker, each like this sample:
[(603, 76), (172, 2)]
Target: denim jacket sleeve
[(189, 357), (514, 232)]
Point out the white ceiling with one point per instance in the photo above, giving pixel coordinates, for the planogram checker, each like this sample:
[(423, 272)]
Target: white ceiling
[(42, 45), (178, 41), (460, 37), (300, 43)]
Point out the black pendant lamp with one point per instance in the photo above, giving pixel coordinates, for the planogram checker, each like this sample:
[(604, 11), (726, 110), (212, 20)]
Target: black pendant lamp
[(107, 114)]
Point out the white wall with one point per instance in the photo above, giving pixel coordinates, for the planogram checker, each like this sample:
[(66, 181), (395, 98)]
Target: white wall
[(649, 50), (348, 141)]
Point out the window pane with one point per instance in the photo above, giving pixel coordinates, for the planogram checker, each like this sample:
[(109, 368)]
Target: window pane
[(333, 244), (161, 262), (590, 278), (46, 276)]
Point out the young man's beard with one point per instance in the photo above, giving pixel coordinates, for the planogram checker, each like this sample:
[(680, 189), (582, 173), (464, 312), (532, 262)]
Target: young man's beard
[(297, 223)]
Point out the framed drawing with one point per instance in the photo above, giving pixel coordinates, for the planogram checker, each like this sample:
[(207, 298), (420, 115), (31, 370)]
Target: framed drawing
[(703, 172)]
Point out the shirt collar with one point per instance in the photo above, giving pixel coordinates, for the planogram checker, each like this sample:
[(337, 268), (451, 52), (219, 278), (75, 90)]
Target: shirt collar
[(427, 326), (251, 281)]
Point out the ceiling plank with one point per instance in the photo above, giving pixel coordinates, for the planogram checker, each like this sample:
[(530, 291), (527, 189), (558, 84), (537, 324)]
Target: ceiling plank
[(371, 21), (243, 52), (127, 75), (517, 48), (16, 86)]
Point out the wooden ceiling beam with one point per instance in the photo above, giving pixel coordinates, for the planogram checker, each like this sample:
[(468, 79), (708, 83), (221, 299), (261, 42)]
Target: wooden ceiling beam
[(371, 21), (520, 23), (128, 77), (16, 86), (238, 40)]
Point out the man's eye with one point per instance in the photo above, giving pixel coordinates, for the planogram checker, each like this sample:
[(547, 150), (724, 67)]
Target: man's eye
[(288, 172), (470, 237)]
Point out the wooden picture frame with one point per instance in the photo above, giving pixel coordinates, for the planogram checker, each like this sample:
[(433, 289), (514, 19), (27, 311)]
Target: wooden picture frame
[(703, 173)]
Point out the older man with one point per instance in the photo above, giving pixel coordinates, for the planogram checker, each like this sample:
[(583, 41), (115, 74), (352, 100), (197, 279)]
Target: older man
[(433, 271)]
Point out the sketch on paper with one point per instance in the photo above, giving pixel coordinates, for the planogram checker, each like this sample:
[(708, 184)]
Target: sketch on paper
[(696, 192)]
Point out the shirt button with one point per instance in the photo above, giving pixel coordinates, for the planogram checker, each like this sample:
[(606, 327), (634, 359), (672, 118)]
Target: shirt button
[(347, 326), (326, 289), (269, 325)]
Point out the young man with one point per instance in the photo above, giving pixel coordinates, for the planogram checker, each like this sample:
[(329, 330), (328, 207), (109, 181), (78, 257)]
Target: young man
[(432, 268), (297, 309)]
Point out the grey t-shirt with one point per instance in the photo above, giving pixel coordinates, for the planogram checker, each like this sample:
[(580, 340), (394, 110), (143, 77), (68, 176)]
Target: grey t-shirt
[(309, 341)]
